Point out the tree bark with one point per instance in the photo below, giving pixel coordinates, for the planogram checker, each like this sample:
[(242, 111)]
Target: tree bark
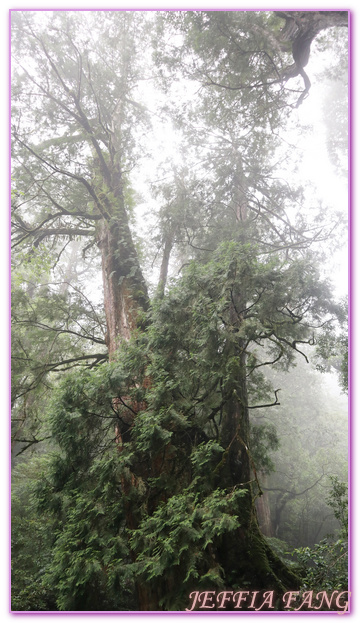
[(125, 290), (244, 554), (165, 264), (263, 510), (301, 27)]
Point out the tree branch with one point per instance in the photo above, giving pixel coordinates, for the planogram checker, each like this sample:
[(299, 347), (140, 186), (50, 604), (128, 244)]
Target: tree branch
[(272, 404), (73, 176), (45, 327)]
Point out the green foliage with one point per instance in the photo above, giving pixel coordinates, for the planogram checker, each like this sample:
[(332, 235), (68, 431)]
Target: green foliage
[(51, 332), (31, 541), (175, 542), (147, 484), (281, 548), (263, 440), (90, 556), (235, 54), (332, 347), (167, 476), (325, 566), (86, 492), (338, 501)]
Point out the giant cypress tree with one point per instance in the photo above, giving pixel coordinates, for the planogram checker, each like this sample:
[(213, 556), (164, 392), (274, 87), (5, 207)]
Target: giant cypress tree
[(152, 483), (73, 120)]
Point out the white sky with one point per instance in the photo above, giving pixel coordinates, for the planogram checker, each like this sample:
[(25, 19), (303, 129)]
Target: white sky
[(317, 168), (4, 246)]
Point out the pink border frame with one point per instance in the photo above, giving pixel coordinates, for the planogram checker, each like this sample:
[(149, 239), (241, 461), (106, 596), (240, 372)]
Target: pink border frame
[(351, 356)]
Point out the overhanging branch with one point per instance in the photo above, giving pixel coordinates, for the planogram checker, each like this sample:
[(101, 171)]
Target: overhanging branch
[(271, 404), (78, 178)]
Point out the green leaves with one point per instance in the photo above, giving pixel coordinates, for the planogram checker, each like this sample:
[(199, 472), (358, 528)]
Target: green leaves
[(176, 540), (163, 476), (31, 541)]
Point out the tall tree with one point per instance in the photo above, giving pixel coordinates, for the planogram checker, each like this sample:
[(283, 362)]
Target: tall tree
[(154, 481)]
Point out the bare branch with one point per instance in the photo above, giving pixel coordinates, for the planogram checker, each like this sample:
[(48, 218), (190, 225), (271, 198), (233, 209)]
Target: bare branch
[(272, 404)]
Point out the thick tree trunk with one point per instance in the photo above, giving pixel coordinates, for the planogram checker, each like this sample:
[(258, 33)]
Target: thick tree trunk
[(244, 554), (125, 291), (125, 302)]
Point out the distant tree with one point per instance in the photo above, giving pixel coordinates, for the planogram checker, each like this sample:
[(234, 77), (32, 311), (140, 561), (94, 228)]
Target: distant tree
[(311, 426), (325, 566)]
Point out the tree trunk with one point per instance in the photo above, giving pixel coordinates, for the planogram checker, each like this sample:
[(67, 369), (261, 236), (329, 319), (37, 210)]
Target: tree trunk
[(244, 555), (263, 510), (165, 264), (125, 291), (125, 303)]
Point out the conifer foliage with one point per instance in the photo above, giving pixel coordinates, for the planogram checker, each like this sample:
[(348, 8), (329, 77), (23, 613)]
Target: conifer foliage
[(141, 404)]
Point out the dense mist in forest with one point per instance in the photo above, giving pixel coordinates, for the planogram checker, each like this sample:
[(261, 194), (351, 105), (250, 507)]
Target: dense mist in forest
[(179, 310)]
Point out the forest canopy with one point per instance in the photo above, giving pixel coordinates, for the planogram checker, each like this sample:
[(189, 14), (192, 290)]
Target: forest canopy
[(179, 334)]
